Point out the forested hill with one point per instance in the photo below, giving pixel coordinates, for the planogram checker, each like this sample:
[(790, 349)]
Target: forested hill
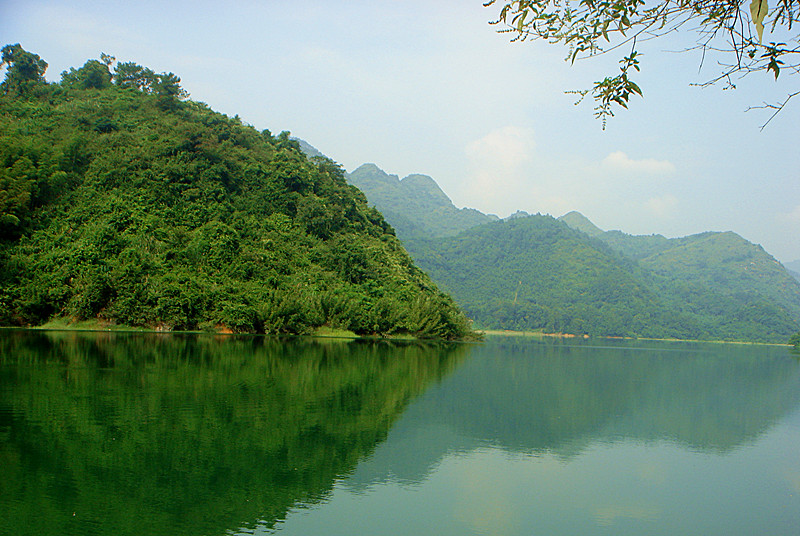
[(537, 273), (124, 201), (415, 205), (717, 263), (532, 273)]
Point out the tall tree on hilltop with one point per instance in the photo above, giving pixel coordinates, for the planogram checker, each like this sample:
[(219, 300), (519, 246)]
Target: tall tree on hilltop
[(93, 75), (25, 69)]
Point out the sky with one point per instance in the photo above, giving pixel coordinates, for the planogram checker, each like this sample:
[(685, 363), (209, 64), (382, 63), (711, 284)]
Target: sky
[(430, 87)]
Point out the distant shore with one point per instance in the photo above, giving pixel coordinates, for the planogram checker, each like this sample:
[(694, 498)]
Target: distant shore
[(542, 335)]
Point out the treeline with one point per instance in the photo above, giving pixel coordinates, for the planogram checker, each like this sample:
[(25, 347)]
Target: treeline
[(124, 201)]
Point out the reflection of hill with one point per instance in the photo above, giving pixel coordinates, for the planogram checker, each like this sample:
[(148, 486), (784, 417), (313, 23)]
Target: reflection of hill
[(558, 397), (147, 434)]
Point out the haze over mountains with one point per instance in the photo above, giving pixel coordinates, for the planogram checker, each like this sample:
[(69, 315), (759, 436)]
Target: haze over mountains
[(536, 272), (415, 206)]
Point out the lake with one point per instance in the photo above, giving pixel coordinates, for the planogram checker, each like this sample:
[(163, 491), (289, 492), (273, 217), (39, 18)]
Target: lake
[(151, 434)]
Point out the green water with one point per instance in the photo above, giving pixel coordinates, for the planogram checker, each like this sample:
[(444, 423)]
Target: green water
[(146, 434)]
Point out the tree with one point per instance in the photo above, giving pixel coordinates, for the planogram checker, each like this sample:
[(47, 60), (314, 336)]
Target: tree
[(168, 85), (93, 75), (25, 69), (169, 91), (795, 340), (133, 75), (165, 85), (732, 28)]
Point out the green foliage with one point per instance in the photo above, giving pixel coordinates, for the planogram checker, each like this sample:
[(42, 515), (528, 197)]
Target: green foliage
[(25, 70), (795, 340), (591, 27), (120, 201), (131, 75), (536, 273), (92, 75), (614, 90), (720, 275)]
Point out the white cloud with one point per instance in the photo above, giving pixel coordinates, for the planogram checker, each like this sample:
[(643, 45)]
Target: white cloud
[(620, 161), (497, 167), (505, 148), (661, 207)]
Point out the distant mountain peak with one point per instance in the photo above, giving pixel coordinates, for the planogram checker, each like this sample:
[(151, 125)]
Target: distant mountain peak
[(424, 185), (415, 206), (369, 166), (579, 222)]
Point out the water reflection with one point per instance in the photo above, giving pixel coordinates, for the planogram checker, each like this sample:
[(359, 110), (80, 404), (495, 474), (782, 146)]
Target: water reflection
[(148, 434), (564, 438), (556, 398)]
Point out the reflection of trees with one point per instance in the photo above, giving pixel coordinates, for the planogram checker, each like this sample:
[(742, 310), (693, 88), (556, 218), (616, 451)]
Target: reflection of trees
[(558, 396), (149, 434)]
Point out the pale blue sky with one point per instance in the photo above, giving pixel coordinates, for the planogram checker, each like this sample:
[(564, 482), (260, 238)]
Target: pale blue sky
[(429, 87)]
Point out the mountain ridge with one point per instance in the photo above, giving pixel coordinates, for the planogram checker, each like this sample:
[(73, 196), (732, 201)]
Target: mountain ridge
[(711, 285), (425, 210)]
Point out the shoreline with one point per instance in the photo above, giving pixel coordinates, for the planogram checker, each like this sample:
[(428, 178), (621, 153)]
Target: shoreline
[(96, 326), (542, 335), (326, 332)]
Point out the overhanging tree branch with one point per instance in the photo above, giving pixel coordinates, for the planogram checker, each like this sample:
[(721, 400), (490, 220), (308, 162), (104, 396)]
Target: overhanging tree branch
[(725, 27)]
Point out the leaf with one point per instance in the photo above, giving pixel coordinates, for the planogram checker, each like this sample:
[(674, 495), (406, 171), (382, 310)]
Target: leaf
[(774, 66), (758, 12)]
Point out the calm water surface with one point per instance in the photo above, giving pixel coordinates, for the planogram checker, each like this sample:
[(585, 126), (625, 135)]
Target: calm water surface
[(201, 435)]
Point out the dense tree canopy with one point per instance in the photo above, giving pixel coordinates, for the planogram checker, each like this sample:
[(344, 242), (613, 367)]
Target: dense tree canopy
[(122, 201), (750, 35), (23, 68), (535, 273)]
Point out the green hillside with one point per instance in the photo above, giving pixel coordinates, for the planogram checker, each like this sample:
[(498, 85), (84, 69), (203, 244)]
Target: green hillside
[(713, 271), (723, 260), (717, 275), (415, 205), (729, 264), (793, 268), (537, 273), (578, 221), (123, 201)]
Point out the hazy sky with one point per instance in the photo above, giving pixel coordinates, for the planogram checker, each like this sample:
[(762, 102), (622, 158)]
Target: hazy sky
[(430, 87)]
